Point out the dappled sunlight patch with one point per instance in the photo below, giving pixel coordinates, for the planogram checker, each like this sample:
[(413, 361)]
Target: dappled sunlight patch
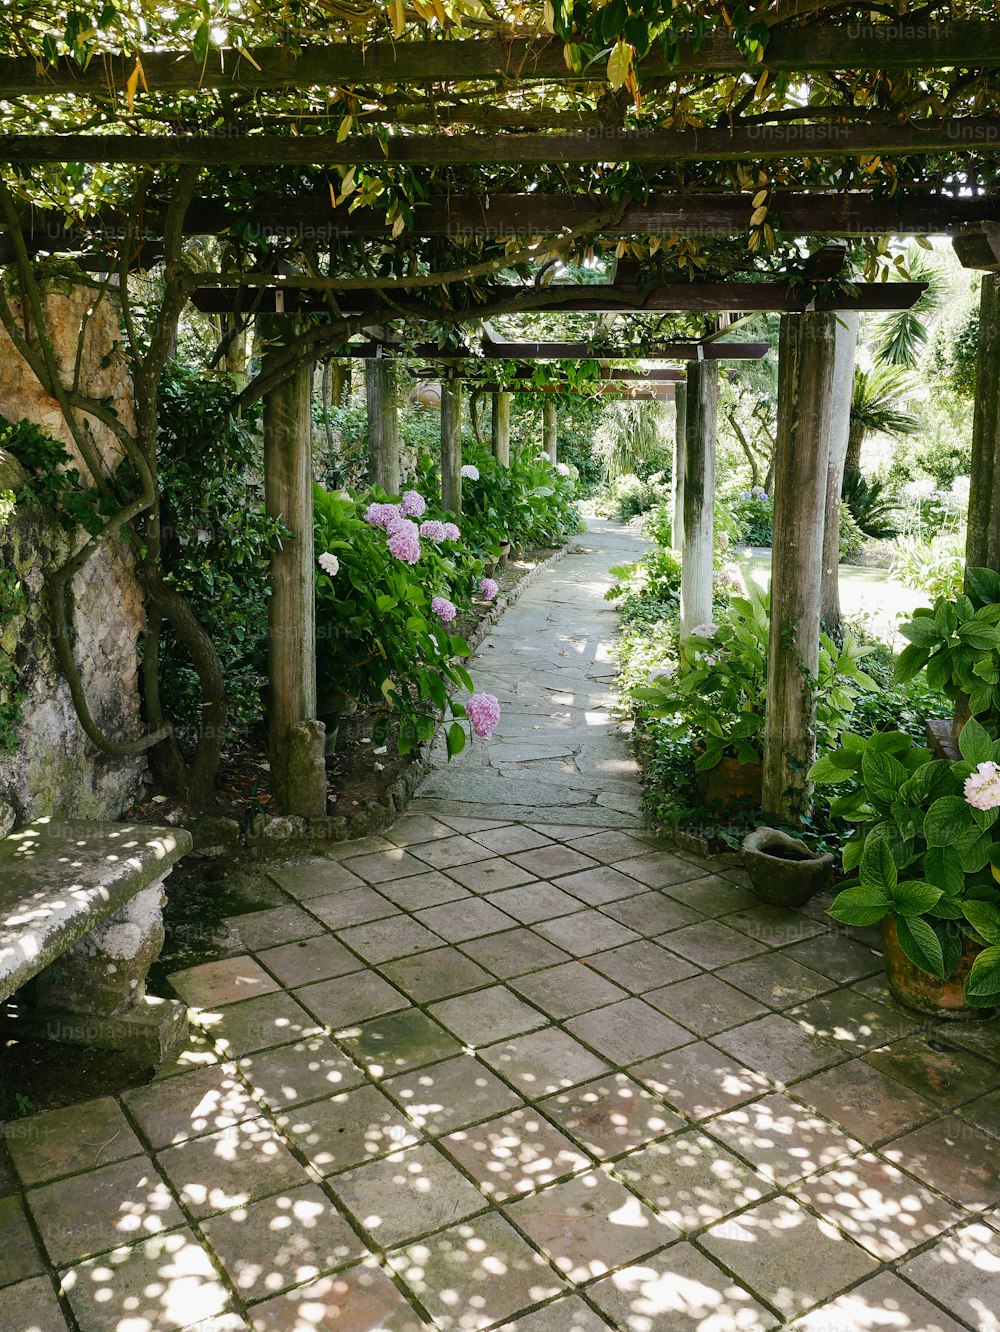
[(883, 1304), (781, 1139), (229, 1168), (962, 1272), (514, 1154), (362, 1297), (612, 1115), (347, 1129), (300, 1072), (407, 1194), (451, 1094)]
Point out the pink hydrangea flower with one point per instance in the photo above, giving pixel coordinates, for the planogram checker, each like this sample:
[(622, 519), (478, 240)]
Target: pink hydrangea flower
[(484, 713), (451, 532), (381, 515), (488, 588), (405, 547), (443, 609), (433, 530), (412, 505), (403, 527), (982, 788)]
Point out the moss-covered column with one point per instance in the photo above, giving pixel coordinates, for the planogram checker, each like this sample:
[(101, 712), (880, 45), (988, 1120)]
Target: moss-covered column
[(500, 422), (383, 425), (806, 354), (296, 738), (983, 543), (840, 426), (550, 430), (701, 419), (677, 475), (451, 445)]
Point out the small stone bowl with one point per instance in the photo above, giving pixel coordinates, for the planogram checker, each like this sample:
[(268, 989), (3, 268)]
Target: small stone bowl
[(783, 870)]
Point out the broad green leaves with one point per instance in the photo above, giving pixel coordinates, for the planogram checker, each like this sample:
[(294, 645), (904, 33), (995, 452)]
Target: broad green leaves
[(921, 945)]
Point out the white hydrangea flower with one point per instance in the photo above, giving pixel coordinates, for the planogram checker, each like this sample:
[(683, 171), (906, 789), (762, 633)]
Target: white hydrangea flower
[(705, 630), (471, 472), (329, 563)]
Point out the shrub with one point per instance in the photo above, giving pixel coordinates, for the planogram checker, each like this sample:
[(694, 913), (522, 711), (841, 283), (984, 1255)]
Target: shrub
[(871, 507), (628, 496), (753, 511), (851, 537), (936, 567)]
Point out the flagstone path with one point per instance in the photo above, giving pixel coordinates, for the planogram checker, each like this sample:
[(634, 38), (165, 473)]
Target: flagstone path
[(516, 1065)]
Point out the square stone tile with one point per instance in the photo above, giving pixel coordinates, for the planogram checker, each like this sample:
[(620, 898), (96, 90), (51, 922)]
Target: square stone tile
[(360, 846), (599, 886), (774, 925), (166, 1283), (467, 824), (699, 1081), (641, 966), (344, 1130), (353, 906), (611, 1115), (549, 862), (487, 1015), (534, 901), (315, 879), (423, 890), (568, 989), (439, 974), (301, 1072), (490, 876), (690, 1180), (344, 1001), (834, 955), (385, 866), (781, 1139), (657, 869), (585, 932), (258, 1024), (609, 847), (515, 837), (32, 1305), (962, 1272), (710, 943), (542, 1062), (230, 1168), (472, 918), (309, 960), (406, 1195), (714, 895), (279, 925), (384, 940), (956, 1159), (397, 1042), (628, 1030), (779, 1047), (282, 1241), (19, 1257), (866, 1103), (983, 1113), (568, 1315), (77, 1137), (853, 1021), (884, 1303), (451, 1094), (514, 952), (944, 1073), (590, 1224), (455, 850), (180, 1108), (651, 913), (786, 1256), (514, 1154), (8, 1179), (678, 1290), (454, 1274), (982, 1038), (879, 1207), (415, 828), (705, 1004), (361, 1299), (224, 982), (101, 1209), (776, 979)]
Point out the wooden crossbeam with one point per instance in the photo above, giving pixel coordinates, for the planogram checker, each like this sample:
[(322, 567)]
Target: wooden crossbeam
[(892, 45), (955, 136), (562, 351)]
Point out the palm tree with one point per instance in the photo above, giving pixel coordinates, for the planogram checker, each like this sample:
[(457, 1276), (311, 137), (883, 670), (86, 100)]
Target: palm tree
[(875, 409), (902, 335), (630, 433)]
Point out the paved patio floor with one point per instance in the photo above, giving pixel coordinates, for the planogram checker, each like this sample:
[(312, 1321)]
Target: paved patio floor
[(514, 1065)]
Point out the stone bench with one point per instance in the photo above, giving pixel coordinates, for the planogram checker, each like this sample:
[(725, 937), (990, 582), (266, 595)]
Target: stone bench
[(81, 923)]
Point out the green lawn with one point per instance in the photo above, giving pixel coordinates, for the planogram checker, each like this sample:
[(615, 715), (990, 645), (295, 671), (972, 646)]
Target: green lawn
[(869, 593)]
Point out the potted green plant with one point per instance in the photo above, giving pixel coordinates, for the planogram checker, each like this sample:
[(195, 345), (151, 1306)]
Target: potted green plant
[(923, 860)]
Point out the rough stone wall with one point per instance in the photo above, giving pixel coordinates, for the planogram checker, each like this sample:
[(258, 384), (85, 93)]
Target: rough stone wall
[(55, 769)]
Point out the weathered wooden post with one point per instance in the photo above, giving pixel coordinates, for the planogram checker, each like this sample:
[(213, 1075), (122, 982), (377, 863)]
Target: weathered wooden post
[(846, 338), (383, 425), (296, 738), (680, 448), (550, 430), (806, 350), (501, 427), (701, 418), (451, 445), (983, 541)]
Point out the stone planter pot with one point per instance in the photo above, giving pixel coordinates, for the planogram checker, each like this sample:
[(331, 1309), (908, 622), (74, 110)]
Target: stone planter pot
[(783, 870), (504, 554), (731, 780), (330, 709), (923, 993)]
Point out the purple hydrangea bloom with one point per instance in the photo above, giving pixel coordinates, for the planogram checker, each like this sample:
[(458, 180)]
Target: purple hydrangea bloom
[(470, 472), (484, 713), (405, 547), (451, 532), (403, 527), (443, 609), (412, 505), (381, 515), (488, 588), (433, 530)]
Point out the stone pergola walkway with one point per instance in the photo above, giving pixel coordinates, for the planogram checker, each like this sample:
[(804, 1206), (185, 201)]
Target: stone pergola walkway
[(513, 1065)]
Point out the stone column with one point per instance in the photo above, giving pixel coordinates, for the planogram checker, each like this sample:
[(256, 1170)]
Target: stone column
[(700, 424), (806, 354), (983, 543), (501, 427), (550, 430), (846, 341), (451, 445), (677, 479)]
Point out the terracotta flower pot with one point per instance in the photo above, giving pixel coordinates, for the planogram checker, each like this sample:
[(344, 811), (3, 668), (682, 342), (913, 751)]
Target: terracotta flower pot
[(731, 780), (782, 869), (924, 993)]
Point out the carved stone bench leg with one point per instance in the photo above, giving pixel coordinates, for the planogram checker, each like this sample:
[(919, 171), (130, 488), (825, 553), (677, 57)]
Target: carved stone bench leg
[(95, 993)]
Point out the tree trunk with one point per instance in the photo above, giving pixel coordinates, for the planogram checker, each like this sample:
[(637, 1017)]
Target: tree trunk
[(550, 430), (840, 422), (501, 428), (383, 425), (807, 345), (339, 371), (451, 445), (699, 494), (680, 448), (855, 439), (983, 542)]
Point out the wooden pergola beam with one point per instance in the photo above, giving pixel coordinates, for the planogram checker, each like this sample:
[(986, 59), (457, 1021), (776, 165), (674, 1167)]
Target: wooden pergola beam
[(955, 135), (560, 351), (893, 45)]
